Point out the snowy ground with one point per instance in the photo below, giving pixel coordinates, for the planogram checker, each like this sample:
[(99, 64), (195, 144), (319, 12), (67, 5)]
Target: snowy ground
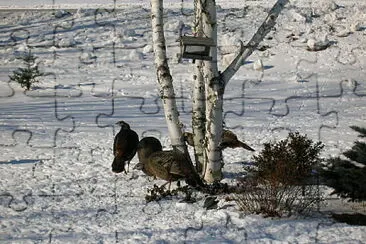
[(56, 184)]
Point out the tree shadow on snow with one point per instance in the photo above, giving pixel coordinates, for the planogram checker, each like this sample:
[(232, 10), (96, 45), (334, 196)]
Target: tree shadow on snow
[(351, 219), (239, 174), (22, 161)]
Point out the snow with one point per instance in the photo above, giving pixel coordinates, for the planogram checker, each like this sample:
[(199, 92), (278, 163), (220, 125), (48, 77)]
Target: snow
[(56, 140)]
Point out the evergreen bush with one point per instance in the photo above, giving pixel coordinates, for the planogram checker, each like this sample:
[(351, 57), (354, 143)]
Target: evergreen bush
[(280, 179), (348, 176), (27, 76)]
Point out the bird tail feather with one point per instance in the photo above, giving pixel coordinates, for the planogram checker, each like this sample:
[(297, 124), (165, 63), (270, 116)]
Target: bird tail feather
[(245, 146)]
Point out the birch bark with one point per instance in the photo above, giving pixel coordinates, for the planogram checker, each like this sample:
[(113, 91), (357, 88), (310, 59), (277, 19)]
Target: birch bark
[(198, 98), (214, 98), (164, 78), (216, 83), (199, 116)]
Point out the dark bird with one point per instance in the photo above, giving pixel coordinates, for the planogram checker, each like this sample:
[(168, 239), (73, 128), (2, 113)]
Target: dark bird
[(124, 147), (229, 139), (169, 165)]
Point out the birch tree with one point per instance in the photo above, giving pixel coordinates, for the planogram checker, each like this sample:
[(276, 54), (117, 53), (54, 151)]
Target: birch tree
[(216, 82), (164, 78), (214, 97), (209, 84), (199, 99)]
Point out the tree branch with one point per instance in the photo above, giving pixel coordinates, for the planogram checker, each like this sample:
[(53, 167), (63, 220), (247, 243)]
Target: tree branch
[(247, 50)]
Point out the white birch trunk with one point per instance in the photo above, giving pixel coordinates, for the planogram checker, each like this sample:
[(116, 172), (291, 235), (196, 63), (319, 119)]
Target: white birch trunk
[(199, 116), (164, 77), (216, 82), (198, 99), (214, 98)]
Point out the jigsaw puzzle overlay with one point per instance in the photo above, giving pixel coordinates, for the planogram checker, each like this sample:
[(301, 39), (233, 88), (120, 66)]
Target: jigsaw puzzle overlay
[(56, 183)]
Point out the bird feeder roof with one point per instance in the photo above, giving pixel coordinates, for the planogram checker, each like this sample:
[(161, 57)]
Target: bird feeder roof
[(197, 41)]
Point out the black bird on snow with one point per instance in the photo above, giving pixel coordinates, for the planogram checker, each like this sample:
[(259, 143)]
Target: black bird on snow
[(169, 165), (124, 147)]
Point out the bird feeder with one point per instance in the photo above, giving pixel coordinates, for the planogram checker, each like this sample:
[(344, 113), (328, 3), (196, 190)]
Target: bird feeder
[(196, 47)]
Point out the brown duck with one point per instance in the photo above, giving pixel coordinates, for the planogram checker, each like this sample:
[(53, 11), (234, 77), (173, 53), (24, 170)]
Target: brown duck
[(169, 165), (229, 139)]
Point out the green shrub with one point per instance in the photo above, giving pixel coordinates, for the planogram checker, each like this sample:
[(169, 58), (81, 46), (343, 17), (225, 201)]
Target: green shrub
[(290, 161), (280, 179)]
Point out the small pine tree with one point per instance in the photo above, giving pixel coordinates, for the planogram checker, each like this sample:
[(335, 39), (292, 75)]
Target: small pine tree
[(348, 176), (28, 75)]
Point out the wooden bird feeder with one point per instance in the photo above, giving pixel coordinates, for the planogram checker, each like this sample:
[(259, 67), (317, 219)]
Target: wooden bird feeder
[(196, 47)]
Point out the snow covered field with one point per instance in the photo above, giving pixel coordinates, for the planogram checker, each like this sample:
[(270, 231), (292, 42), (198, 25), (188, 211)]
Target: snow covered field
[(56, 183)]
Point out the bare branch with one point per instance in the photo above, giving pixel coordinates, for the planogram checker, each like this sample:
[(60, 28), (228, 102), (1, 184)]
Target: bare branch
[(247, 50)]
